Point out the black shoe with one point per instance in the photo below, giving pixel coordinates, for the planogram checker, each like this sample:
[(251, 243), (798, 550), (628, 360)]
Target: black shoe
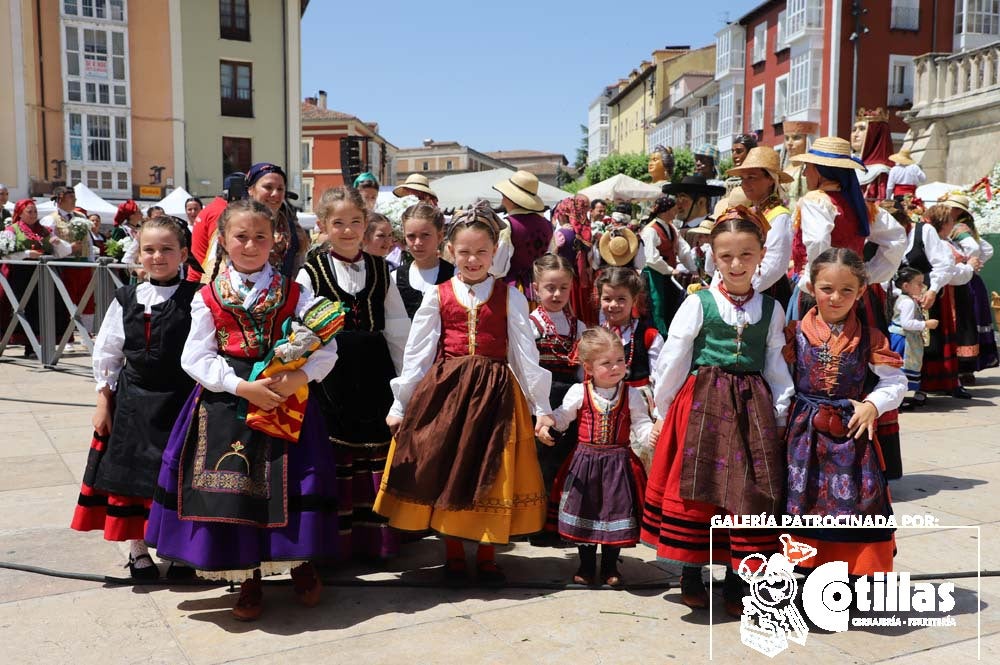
[(919, 398), (967, 379), (150, 572), (489, 574), (961, 393), (29, 354), (694, 594), (456, 571), (178, 571)]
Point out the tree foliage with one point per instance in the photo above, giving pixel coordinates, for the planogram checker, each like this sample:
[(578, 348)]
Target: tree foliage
[(583, 151), (683, 163)]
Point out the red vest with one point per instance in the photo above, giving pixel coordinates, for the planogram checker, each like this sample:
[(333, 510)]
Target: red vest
[(846, 232), (480, 331), (666, 246), (604, 429), (241, 335)]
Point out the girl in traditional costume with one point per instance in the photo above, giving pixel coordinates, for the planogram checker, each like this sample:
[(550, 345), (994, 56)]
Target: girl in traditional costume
[(355, 396), (600, 490), (423, 230), (619, 291), (140, 391), (463, 460), (724, 390), (834, 459), (556, 330), (231, 501), (666, 253)]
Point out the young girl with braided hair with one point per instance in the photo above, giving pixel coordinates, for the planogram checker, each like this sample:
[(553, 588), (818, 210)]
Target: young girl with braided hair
[(723, 389), (463, 459), (234, 502)]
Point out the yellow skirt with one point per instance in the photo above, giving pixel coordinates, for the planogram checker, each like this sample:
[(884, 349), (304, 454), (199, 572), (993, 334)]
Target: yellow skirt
[(515, 504)]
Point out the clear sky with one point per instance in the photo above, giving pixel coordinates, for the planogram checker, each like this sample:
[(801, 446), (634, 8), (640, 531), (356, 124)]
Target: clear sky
[(509, 75)]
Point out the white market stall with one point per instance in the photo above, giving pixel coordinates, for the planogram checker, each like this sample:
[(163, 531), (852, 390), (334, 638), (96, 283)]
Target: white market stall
[(173, 203), (463, 189), (621, 187)]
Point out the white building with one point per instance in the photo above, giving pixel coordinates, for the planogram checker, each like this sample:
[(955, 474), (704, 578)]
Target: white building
[(598, 126), (730, 52)]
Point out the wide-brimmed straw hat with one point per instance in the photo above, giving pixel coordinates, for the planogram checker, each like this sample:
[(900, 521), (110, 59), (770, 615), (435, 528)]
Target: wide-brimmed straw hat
[(956, 200), (522, 189), (618, 247), (693, 185), (736, 197), (417, 183), (902, 158), (799, 127), (762, 157), (830, 151), (705, 227)]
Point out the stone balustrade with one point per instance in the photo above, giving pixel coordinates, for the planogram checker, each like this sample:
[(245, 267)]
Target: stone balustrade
[(945, 77)]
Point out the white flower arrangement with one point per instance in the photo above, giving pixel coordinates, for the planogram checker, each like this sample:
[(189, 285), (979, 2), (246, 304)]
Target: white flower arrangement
[(987, 213), (394, 209), (79, 228), (8, 242)]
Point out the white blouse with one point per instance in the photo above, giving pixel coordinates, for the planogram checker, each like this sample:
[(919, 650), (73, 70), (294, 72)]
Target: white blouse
[(961, 273), (109, 355), (911, 174), (817, 214), (351, 278), (201, 358), (559, 320), (888, 393), (654, 261), (604, 398), (421, 279), (425, 333), (938, 253), (674, 363), (905, 316)]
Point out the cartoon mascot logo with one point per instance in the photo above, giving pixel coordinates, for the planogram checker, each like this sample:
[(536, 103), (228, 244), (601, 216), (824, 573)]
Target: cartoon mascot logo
[(770, 618)]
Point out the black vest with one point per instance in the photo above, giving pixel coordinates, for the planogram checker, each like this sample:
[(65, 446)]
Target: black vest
[(413, 297), (154, 364), (638, 369), (366, 308), (916, 258)]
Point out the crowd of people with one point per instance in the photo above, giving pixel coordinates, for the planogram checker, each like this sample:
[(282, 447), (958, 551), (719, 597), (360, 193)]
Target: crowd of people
[(269, 401)]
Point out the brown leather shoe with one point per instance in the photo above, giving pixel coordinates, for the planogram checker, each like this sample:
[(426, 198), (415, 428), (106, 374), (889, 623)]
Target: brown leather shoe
[(613, 579), (249, 605), (307, 584), (694, 594)]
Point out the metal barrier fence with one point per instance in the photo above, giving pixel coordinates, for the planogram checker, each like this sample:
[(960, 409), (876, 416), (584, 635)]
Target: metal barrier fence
[(46, 281)]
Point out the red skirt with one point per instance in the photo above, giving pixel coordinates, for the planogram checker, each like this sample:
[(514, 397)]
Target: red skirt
[(76, 281), (939, 372), (679, 528), (120, 517)]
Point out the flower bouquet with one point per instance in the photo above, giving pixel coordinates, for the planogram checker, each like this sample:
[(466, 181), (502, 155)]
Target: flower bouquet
[(79, 228), (8, 242), (394, 209), (117, 249)]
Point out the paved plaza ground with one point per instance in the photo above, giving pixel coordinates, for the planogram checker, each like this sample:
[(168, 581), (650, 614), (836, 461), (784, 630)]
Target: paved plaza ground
[(951, 453)]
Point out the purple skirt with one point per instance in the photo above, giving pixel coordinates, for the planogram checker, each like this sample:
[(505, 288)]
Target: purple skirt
[(601, 496), (311, 530), (988, 356)]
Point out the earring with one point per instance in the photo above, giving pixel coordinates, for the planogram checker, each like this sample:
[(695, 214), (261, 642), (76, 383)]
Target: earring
[(758, 270)]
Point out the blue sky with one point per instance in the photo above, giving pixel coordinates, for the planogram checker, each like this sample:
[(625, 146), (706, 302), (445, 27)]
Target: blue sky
[(491, 75)]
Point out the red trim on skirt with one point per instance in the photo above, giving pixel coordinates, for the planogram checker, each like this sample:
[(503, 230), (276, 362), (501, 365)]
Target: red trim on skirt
[(940, 371), (120, 517), (679, 528)]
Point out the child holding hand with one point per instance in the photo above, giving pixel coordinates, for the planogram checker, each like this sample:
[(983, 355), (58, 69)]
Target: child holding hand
[(601, 487)]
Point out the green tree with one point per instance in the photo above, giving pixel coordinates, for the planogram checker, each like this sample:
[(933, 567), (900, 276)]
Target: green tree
[(724, 165), (683, 163), (583, 151)]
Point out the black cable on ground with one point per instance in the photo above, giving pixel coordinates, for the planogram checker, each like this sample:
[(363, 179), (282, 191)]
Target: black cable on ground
[(400, 583)]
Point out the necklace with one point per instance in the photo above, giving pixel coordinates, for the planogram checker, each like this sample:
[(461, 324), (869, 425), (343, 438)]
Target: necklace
[(618, 330), (740, 303), (824, 356)]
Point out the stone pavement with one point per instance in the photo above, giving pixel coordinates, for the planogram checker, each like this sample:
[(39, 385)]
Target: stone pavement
[(952, 463)]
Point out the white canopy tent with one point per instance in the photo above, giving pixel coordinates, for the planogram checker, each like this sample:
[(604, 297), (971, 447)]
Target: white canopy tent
[(86, 199), (460, 190), (621, 188), (173, 203)]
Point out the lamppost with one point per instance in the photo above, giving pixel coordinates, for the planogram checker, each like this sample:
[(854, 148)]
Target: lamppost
[(857, 11)]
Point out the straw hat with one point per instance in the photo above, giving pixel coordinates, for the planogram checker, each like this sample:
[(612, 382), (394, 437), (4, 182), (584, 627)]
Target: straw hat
[(956, 200), (417, 183), (522, 189), (762, 157), (830, 151), (705, 227), (619, 246), (737, 197), (902, 158)]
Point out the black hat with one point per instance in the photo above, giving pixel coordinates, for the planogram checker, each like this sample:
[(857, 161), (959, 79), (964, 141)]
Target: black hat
[(693, 185)]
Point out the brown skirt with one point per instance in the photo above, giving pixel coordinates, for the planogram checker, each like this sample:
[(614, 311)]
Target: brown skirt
[(448, 448), (732, 455)]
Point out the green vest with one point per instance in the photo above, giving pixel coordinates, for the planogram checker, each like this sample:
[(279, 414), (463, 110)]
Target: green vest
[(716, 344)]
